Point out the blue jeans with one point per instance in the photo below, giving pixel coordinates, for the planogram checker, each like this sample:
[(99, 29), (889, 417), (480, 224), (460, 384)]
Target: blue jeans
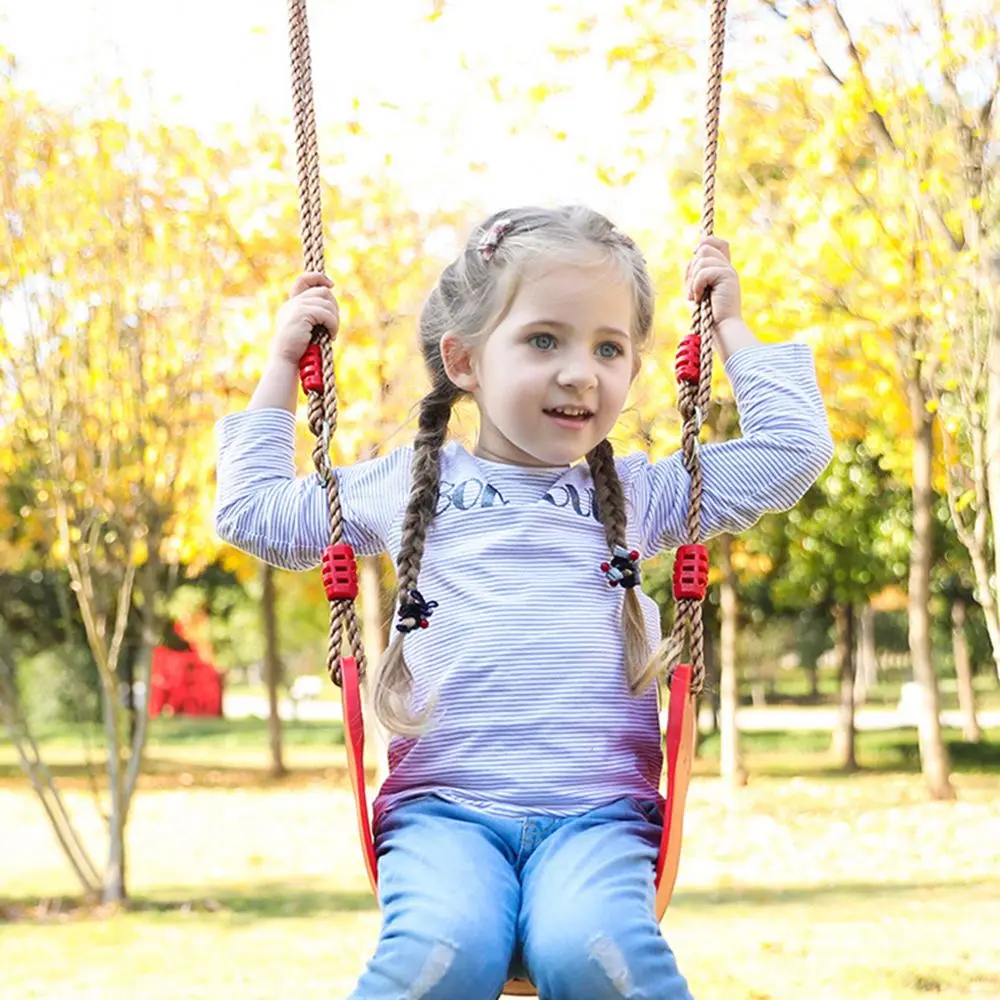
[(469, 898)]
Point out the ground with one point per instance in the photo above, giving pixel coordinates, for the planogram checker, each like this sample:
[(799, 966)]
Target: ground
[(808, 886)]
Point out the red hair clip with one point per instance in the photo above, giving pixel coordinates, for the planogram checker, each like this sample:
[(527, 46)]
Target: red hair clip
[(487, 246)]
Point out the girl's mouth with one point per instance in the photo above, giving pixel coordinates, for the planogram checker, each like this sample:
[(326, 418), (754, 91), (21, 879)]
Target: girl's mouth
[(570, 417)]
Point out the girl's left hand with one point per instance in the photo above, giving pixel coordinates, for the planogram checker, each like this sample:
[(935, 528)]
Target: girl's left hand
[(710, 268)]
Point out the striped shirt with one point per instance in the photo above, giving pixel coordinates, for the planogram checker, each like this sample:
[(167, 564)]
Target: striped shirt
[(525, 649)]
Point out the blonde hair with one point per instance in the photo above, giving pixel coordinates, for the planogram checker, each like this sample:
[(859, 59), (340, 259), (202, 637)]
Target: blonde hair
[(471, 298)]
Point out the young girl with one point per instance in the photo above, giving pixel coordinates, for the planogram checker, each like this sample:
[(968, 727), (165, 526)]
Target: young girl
[(519, 826)]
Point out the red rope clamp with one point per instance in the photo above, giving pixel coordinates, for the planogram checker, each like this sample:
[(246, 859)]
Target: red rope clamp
[(691, 573), (311, 369), (340, 573), (688, 364)]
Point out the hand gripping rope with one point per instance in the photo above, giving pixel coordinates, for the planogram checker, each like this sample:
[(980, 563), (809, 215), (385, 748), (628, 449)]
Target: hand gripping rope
[(339, 571)]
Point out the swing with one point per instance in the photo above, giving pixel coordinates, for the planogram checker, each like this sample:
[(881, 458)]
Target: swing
[(339, 570)]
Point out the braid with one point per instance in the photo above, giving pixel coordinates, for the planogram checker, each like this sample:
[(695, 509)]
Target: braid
[(639, 670), (393, 682)]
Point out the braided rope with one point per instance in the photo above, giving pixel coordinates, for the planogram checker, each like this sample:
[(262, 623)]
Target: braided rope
[(693, 400), (322, 405)]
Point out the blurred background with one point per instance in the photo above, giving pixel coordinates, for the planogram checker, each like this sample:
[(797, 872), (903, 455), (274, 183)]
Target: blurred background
[(175, 818)]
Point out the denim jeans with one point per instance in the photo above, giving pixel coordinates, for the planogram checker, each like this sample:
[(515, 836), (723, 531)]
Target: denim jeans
[(468, 899)]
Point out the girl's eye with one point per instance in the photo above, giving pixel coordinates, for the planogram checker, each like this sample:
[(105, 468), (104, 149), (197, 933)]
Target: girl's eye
[(543, 341), (609, 350)]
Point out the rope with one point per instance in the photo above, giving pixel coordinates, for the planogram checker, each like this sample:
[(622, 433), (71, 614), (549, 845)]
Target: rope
[(322, 404), (693, 399)]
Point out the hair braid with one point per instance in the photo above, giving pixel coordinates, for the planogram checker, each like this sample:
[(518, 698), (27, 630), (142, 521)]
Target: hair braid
[(639, 670), (393, 683)]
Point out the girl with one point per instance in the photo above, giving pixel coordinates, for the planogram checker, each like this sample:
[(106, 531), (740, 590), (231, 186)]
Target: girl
[(518, 828)]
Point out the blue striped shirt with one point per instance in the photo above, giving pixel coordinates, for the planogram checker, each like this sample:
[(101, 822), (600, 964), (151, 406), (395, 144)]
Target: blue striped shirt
[(525, 649)]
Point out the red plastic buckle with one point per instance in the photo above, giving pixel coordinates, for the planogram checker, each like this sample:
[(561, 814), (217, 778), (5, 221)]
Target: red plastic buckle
[(688, 364), (340, 573), (311, 369), (691, 573)]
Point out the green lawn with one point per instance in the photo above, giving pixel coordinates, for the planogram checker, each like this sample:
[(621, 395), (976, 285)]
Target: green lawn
[(789, 686), (804, 887), (793, 686)]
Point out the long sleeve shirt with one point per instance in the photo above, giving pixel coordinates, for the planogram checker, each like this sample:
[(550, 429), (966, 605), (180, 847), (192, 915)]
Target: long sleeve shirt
[(525, 650)]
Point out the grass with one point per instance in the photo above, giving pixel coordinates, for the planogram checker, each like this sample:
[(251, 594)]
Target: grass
[(191, 752), (806, 884), (786, 687), (211, 752), (792, 687)]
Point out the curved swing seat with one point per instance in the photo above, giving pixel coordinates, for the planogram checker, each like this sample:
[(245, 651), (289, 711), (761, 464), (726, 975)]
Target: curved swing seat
[(677, 759)]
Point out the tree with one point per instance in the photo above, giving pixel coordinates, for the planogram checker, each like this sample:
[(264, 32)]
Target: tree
[(929, 143), (953, 583), (844, 542), (871, 164), (272, 668), (730, 758), (110, 264)]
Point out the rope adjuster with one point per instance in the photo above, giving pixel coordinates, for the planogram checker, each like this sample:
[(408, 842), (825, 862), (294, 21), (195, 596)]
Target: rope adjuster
[(311, 369), (413, 614), (623, 568), (340, 573), (691, 573), (688, 363)]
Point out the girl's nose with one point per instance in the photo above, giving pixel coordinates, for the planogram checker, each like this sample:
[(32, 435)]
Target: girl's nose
[(577, 373)]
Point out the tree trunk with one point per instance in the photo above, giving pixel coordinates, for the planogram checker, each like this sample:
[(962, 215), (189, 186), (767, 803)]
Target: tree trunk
[(113, 878), (707, 703), (993, 446), (933, 753), (374, 637), (731, 763), (272, 670), (113, 885), (711, 695), (43, 783), (987, 601), (812, 669), (963, 673), (844, 749), (127, 671), (866, 672)]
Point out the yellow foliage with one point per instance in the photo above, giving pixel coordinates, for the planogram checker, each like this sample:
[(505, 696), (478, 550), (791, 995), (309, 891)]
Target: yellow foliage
[(835, 234)]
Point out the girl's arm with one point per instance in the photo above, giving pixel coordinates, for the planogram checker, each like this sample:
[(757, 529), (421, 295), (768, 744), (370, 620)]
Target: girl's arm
[(732, 335), (261, 506), (278, 386), (784, 448)]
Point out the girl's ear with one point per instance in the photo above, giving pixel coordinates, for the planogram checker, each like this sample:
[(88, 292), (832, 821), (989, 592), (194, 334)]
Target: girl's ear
[(458, 362), (636, 365)]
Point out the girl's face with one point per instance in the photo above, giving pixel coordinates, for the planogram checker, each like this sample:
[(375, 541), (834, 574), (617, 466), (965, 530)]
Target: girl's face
[(552, 378)]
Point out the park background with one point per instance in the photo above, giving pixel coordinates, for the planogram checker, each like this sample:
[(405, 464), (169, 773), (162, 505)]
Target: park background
[(842, 836)]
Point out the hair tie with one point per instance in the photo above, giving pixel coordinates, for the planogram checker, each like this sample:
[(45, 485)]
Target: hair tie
[(487, 246), (623, 568), (413, 614)]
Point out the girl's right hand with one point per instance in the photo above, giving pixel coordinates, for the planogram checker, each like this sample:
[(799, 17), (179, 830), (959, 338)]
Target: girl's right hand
[(311, 304)]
